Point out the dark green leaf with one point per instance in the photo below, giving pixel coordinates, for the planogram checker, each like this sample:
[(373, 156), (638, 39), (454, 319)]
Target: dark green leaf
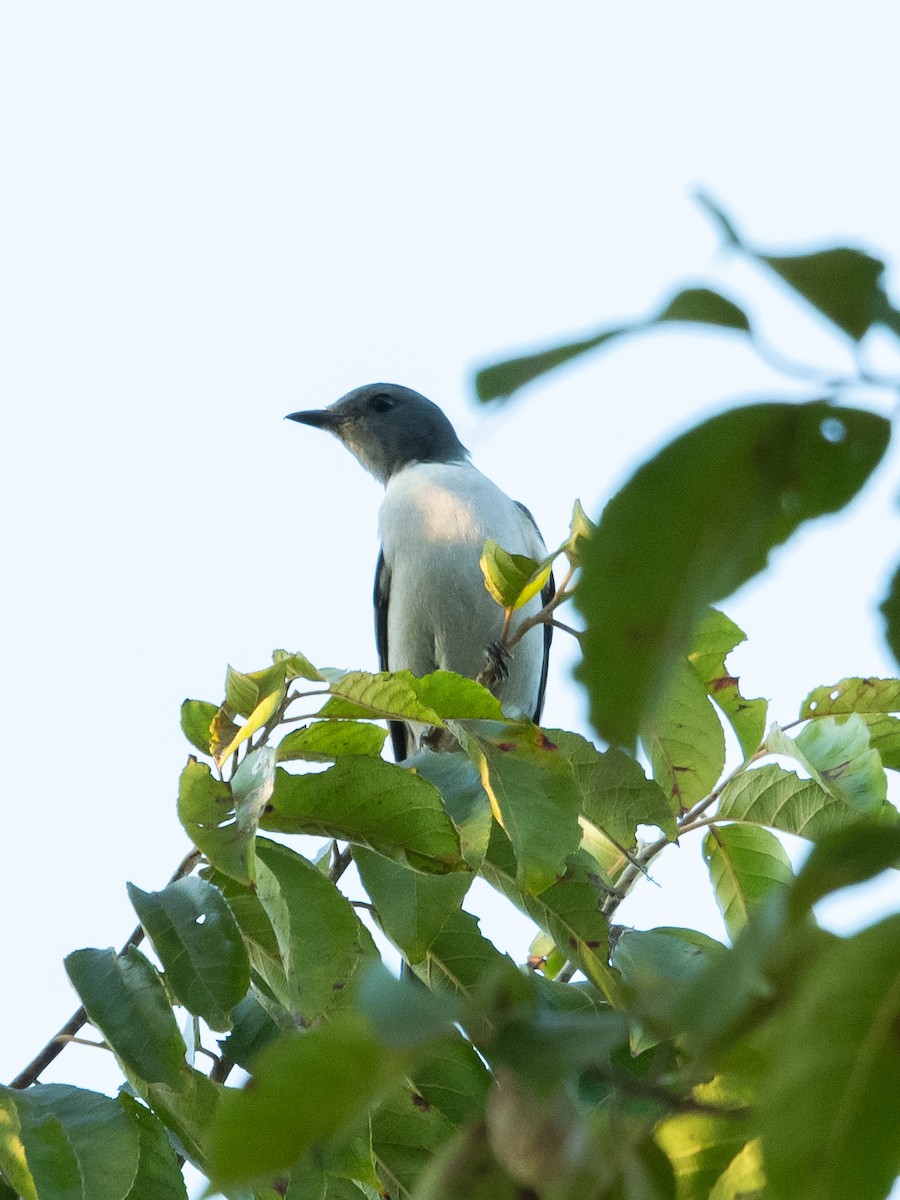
[(96, 1132), (705, 512), (705, 307), (253, 1028), (324, 741), (843, 858), (305, 1087), (319, 935), (890, 610), (830, 1110), (410, 907), (403, 1014), (461, 958), (502, 379), (199, 945), (453, 1079), (844, 284), (684, 741), (372, 803), (657, 965), (406, 1132), (159, 1175), (715, 638), (533, 793), (125, 999), (745, 862), (196, 719)]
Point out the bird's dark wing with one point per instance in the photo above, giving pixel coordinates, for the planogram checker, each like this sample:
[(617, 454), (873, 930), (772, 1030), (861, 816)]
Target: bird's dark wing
[(548, 591), (381, 597)]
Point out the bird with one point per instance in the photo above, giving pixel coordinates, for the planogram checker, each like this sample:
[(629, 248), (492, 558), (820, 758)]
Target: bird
[(432, 609)]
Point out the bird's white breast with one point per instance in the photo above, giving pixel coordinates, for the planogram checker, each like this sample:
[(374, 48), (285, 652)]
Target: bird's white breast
[(434, 522)]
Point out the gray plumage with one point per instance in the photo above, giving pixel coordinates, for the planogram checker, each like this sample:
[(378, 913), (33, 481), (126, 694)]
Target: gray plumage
[(432, 609)]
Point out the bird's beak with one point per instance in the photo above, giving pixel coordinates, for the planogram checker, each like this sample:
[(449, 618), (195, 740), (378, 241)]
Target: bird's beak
[(321, 418)]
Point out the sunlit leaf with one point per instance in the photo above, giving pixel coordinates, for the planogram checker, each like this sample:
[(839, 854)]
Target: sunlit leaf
[(512, 579), (839, 757), (771, 796), (745, 862), (324, 741), (196, 720), (714, 639)]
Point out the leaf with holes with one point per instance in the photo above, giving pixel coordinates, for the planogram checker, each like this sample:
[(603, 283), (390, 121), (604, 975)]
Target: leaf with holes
[(715, 638)]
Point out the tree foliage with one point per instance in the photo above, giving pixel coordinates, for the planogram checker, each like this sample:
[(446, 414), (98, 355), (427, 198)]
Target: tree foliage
[(614, 1063)]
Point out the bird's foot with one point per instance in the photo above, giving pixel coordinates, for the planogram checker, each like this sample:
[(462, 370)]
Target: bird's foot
[(498, 656)]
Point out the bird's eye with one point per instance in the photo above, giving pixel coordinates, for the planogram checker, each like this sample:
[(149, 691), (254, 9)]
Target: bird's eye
[(381, 403)]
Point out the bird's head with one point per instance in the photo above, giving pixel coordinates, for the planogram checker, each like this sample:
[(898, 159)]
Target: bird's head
[(387, 427)]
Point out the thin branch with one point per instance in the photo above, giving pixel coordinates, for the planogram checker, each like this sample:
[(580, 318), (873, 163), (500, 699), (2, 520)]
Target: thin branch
[(41, 1061)]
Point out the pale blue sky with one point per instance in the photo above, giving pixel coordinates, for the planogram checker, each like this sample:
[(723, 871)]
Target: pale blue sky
[(214, 214)]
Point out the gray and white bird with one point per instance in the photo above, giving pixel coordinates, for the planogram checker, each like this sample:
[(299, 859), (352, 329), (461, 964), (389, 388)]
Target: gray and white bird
[(432, 609)]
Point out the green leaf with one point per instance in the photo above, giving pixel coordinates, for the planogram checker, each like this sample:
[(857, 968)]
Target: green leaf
[(533, 794), (581, 529), (684, 741), (853, 695), (305, 1087), (839, 757), (830, 1108), (465, 1168), (512, 579), (371, 803), (701, 1147), (199, 945), (715, 638), (253, 1028), (223, 747), (196, 719), (465, 801), (461, 958), (745, 862), (159, 1175), (62, 1141), (404, 1015), (95, 1132), (390, 695), (844, 284), (452, 1078), (705, 307), (569, 911), (296, 666), (616, 795), (455, 697), (324, 741), (843, 858), (406, 1133), (410, 907), (125, 999), (502, 379), (771, 796), (890, 610), (317, 930), (658, 965), (206, 809), (698, 544)]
